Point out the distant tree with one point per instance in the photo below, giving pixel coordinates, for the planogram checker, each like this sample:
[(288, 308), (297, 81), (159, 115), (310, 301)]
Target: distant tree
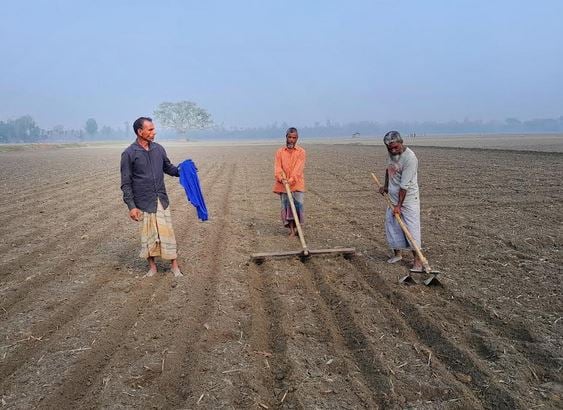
[(5, 131), (513, 122), (106, 131), (91, 126), (58, 129), (182, 116), (24, 129)]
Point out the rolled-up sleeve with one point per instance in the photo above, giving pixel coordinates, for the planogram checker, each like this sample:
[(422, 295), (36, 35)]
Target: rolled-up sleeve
[(127, 181)]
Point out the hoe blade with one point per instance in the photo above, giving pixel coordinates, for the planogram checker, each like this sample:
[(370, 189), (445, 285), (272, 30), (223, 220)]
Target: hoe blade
[(432, 281), (407, 280)]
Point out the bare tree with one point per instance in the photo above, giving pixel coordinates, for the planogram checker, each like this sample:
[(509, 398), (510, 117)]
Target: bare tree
[(182, 116)]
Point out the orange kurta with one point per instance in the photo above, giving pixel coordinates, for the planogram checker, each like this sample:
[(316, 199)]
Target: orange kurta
[(292, 162)]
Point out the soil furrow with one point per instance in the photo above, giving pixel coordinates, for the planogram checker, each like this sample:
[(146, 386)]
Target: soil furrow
[(276, 337), (329, 310), (176, 383), (108, 343), (40, 230), (515, 332), (429, 335), (22, 353), (373, 371), (80, 328), (48, 191), (523, 340), (151, 338), (79, 220), (24, 289), (444, 349), (69, 209), (267, 335), (19, 297)]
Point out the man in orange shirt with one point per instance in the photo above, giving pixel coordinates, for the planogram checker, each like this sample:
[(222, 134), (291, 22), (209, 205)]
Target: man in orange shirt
[(291, 161)]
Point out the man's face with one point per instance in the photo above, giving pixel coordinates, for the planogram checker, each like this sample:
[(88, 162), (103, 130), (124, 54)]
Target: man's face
[(395, 148), (148, 131), (291, 139)]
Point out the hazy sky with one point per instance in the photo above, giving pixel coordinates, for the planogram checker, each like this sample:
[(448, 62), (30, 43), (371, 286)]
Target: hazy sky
[(251, 63)]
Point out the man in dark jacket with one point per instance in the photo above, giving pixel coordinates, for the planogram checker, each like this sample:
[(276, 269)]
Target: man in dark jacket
[(143, 165)]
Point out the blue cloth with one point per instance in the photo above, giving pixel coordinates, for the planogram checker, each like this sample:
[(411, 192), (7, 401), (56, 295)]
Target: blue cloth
[(190, 182)]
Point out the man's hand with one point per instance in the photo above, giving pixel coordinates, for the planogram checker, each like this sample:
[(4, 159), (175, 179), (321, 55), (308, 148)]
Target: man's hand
[(397, 210), (383, 190), (135, 214)]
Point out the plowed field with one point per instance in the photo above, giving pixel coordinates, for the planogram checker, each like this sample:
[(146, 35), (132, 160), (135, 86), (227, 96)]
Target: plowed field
[(81, 328)]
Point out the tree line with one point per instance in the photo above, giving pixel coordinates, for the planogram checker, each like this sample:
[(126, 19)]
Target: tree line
[(373, 128), (181, 116), (185, 119)]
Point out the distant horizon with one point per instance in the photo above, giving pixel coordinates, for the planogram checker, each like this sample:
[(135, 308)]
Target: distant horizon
[(547, 143), (24, 129), (313, 123)]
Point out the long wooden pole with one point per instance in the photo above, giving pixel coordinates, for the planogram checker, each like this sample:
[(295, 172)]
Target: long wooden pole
[(423, 260), (295, 216)]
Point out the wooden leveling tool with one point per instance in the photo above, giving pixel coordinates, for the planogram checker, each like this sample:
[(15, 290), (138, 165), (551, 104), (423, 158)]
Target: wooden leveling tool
[(305, 252)]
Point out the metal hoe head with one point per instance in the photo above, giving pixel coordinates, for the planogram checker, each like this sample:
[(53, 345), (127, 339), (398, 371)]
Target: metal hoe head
[(433, 279), (430, 281), (407, 280)]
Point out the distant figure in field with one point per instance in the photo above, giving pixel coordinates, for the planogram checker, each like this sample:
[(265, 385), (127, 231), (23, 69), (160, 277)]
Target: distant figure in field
[(402, 186), (290, 160), (143, 165)]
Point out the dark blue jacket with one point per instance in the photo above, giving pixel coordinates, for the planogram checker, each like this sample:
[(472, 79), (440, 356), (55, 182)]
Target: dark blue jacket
[(142, 176), (190, 182)]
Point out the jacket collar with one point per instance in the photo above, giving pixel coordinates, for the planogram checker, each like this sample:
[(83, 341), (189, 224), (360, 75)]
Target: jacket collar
[(137, 147)]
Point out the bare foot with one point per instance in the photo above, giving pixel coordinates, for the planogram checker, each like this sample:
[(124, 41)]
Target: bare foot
[(177, 272), (152, 267)]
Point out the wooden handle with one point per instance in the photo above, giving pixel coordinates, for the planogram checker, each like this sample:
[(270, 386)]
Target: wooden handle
[(411, 240), (295, 216), (387, 199)]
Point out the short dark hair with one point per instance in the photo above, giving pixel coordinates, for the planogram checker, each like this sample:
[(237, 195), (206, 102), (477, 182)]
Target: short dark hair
[(139, 122), (291, 130)]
